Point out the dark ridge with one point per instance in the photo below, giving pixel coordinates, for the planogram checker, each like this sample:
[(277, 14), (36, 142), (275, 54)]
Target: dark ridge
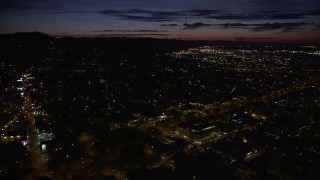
[(30, 48)]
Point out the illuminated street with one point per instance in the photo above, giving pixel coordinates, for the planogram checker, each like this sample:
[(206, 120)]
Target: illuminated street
[(37, 157)]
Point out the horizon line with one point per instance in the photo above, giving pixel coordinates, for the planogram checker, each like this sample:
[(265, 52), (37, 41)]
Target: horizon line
[(175, 37)]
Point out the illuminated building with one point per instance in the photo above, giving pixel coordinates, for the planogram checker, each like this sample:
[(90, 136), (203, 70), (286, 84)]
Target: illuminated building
[(200, 131)]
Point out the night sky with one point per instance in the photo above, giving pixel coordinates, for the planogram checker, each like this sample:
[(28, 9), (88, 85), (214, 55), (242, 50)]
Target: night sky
[(235, 20)]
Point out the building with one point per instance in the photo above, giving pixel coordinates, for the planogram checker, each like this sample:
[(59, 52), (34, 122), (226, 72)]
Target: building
[(200, 131)]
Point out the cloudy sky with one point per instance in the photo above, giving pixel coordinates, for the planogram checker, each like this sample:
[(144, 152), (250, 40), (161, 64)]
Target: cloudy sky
[(255, 20)]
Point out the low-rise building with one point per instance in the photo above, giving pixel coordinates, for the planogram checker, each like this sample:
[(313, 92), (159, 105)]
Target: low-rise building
[(200, 131)]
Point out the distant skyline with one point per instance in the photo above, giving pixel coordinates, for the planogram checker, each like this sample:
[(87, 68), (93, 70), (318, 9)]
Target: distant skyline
[(233, 20)]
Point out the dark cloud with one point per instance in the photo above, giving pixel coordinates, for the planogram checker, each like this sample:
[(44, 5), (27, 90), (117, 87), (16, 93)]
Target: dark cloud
[(228, 16), (272, 4), (194, 25), (141, 11), (234, 25), (266, 15), (257, 39), (284, 4), (152, 18), (120, 35), (285, 27), (295, 14), (72, 12), (31, 5), (156, 16), (133, 35), (143, 15), (242, 38), (127, 30), (139, 35), (316, 27), (223, 15), (169, 25), (202, 12), (205, 14)]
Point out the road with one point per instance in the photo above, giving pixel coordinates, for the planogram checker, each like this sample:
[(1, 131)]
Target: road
[(37, 157)]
